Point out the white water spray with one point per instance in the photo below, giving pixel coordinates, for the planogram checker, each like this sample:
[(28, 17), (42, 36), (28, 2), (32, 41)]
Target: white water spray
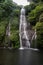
[(8, 30), (23, 33)]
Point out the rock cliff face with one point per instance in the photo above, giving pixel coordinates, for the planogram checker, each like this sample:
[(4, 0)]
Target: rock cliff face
[(26, 32)]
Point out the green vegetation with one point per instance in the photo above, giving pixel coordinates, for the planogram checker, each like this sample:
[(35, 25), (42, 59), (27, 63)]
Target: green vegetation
[(39, 27), (9, 12), (35, 17), (14, 37)]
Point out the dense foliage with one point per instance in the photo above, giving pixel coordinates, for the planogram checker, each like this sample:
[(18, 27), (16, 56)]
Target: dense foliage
[(9, 12), (39, 27), (35, 17)]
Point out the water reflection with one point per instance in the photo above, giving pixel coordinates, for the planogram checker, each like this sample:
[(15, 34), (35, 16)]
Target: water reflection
[(21, 57), (24, 57)]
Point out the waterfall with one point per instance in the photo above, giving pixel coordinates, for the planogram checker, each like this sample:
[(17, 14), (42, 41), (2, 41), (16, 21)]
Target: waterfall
[(8, 30), (23, 33)]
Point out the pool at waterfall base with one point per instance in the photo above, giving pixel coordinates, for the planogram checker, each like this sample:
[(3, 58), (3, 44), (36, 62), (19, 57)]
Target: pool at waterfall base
[(21, 57)]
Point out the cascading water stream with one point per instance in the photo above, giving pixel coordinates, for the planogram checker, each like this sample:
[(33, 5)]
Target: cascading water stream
[(8, 30), (23, 31)]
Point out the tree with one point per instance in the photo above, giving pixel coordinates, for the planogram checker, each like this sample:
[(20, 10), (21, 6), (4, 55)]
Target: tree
[(39, 28), (1, 1), (30, 7), (9, 12), (33, 16)]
